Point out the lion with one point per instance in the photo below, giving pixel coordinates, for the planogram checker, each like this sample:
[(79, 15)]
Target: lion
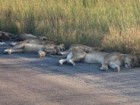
[(33, 43), (24, 47), (60, 48), (84, 48), (26, 36), (31, 40), (29, 47), (22, 37), (6, 36), (77, 52), (75, 55), (113, 60)]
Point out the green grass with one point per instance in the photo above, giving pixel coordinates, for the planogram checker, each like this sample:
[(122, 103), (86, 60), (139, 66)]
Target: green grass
[(103, 23)]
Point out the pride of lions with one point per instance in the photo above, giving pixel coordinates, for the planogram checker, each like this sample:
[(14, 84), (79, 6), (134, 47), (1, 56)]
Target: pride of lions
[(76, 52)]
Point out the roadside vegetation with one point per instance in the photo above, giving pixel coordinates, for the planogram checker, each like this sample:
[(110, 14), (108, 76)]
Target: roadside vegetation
[(111, 24)]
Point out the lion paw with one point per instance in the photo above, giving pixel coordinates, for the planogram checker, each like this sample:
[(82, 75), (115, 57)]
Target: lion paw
[(61, 62), (9, 51), (104, 68)]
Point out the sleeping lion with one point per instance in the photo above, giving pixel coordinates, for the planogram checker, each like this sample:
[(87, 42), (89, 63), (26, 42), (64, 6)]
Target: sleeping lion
[(113, 60)]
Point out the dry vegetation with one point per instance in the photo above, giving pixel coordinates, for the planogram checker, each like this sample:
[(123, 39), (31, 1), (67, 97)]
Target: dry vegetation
[(111, 24)]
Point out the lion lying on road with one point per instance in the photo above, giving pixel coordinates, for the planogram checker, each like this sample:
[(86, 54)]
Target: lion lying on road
[(29, 47), (113, 60), (81, 47), (32, 40)]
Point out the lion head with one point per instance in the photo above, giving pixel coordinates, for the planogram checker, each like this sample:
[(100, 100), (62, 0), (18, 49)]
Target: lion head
[(130, 61), (60, 47)]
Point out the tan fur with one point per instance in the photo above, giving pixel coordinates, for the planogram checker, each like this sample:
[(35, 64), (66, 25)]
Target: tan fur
[(113, 60), (84, 48), (32, 47), (26, 36), (29, 47), (24, 47), (6, 36), (29, 41), (41, 53), (116, 60), (33, 44), (95, 57), (60, 47), (77, 52), (73, 56)]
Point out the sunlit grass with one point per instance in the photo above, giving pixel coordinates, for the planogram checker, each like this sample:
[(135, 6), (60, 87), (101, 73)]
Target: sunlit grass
[(105, 23)]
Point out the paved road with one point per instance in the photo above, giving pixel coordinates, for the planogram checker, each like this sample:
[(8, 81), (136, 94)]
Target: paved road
[(27, 80)]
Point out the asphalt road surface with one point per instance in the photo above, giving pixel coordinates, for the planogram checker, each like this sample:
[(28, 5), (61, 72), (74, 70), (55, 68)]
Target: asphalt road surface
[(26, 79)]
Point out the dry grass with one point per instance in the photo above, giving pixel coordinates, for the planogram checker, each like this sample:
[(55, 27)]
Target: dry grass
[(127, 41), (76, 21)]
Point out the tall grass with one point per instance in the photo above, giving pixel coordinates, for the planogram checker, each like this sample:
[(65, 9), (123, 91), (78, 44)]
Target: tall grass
[(104, 23)]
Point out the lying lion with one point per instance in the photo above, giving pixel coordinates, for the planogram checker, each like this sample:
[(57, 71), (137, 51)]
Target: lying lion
[(6, 36), (77, 52), (81, 47), (29, 47), (29, 38), (113, 60), (25, 36), (116, 60)]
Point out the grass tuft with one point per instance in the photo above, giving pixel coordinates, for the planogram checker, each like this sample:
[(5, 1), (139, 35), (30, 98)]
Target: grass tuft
[(111, 24)]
